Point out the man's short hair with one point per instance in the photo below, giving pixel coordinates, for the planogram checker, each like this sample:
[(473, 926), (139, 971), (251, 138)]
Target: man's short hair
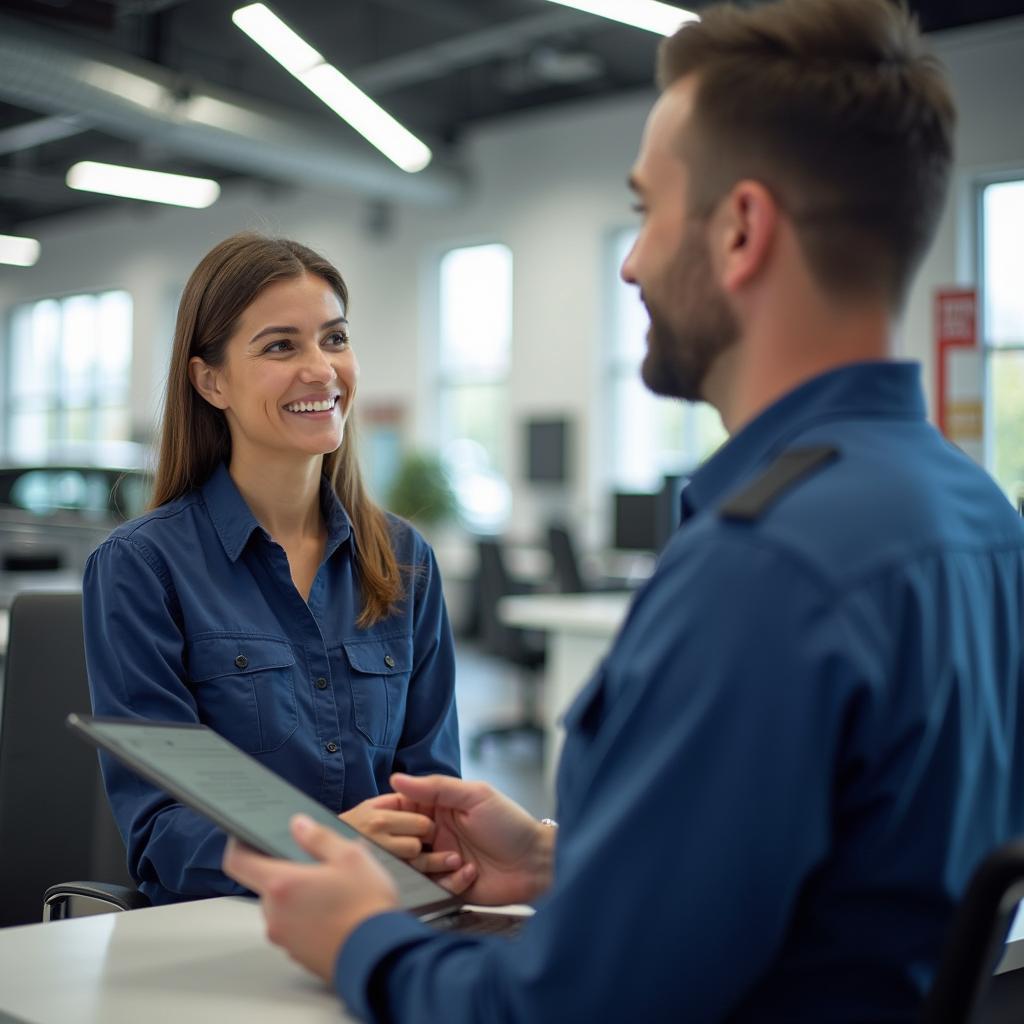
[(838, 109)]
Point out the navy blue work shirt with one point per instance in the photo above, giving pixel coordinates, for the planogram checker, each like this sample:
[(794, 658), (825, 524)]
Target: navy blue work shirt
[(804, 738), (191, 616)]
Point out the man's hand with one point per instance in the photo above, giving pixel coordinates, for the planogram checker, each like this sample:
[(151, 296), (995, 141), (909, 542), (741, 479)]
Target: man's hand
[(507, 854), (311, 909), (393, 822)]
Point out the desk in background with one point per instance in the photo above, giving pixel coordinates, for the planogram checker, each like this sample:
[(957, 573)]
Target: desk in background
[(580, 629), (202, 961)]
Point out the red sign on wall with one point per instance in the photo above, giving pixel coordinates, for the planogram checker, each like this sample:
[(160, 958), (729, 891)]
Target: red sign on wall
[(959, 407)]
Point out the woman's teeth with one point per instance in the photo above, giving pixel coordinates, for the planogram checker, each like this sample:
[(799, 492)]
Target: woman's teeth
[(324, 406)]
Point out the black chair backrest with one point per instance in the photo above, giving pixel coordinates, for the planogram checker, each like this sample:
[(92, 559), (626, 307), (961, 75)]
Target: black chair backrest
[(55, 823), (508, 642), (976, 937), (564, 561)]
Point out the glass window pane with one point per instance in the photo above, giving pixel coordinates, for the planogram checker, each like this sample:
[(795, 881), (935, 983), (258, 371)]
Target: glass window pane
[(476, 310), (35, 369), (78, 349), (476, 412), (1006, 394), (1003, 212), (114, 336), (631, 319), (652, 436), (70, 364), (28, 434)]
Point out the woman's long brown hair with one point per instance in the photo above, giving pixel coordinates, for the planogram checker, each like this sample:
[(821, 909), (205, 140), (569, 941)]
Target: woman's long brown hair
[(194, 437)]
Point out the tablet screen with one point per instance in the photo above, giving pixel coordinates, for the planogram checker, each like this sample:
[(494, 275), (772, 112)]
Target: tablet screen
[(206, 772)]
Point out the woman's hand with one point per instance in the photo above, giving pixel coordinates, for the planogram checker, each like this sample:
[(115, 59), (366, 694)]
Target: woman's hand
[(506, 855), (393, 822)]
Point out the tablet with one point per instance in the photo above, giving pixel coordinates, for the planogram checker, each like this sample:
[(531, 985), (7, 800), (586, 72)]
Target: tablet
[(202, 770)]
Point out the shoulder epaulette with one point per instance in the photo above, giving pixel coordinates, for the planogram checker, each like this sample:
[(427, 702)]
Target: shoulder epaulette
[(750, 503)]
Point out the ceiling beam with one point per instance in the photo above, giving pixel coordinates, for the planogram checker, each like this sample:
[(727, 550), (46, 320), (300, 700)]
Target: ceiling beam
[(141, 101)]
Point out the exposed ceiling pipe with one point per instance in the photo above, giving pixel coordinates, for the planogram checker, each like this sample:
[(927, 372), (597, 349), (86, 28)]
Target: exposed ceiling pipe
[(134, 99), (433, 62), (39, 132)]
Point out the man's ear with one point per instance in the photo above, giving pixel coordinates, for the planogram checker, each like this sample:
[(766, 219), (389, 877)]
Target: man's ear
[(206, 380), (748, 220)]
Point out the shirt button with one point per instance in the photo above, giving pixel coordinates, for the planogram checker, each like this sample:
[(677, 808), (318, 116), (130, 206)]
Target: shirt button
[(321, 683), (389, 661), (241, 661), (332, 747)]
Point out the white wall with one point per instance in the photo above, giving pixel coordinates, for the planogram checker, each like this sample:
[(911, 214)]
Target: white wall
[(552, 187)]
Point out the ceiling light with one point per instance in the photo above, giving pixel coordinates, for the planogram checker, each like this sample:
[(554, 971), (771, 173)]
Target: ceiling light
[(646, 14), (18, 252), (329, 85), (152, 186), (266, 29)]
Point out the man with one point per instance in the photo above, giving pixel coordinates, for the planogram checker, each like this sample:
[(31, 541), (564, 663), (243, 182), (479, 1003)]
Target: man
[(805, 736)]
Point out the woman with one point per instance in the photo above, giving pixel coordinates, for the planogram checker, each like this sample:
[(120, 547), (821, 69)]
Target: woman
[(264, 594)]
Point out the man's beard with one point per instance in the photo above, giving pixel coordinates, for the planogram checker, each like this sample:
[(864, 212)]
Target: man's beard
[(685, 340)]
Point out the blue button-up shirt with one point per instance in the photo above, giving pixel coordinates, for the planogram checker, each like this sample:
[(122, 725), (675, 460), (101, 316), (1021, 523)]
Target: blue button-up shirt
[(191, 615), (804, 738)]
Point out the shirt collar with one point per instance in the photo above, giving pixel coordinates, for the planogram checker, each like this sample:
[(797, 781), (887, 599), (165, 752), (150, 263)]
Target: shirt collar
[(234, 522), (889, 390)]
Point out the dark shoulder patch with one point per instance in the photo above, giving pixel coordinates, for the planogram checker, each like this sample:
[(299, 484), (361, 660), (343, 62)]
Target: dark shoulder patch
[(789, 468)]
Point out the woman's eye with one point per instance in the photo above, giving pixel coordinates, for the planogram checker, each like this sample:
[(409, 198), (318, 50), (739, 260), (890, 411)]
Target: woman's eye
[(336, 340), (277, 346)]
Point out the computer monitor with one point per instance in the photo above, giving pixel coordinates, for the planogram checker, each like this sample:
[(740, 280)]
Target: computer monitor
[(548, 451), (636, 519), (644, 522)]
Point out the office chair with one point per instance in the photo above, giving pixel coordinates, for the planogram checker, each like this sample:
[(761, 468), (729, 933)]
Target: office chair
[(521, 648), (564, 561), (567, 571), (55, 822), (964, 990)]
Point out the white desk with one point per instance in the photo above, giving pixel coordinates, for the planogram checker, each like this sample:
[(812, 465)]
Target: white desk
[(192, 962), (580, 630), (199, 962)]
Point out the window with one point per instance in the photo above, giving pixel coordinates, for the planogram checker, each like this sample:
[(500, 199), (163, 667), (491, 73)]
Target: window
[(68, 363), (476, 345), (1002, 226), (651, 436)]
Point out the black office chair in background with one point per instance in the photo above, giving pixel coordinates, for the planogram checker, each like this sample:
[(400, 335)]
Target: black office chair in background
[(566, 566), (55, 822), (965, 991), (565, 563), (521, 648)]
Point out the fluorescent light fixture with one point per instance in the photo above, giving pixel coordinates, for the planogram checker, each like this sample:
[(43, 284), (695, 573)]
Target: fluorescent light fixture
[(266, 29), (396, 142), (152, 186), (18, 252), (646, 14), (329, 85)]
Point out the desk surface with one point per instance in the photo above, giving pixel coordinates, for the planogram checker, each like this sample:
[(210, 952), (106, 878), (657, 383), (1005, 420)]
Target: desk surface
[(598, 614), (192, 962)]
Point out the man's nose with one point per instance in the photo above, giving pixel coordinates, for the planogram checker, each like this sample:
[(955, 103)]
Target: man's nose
[(626, 271)]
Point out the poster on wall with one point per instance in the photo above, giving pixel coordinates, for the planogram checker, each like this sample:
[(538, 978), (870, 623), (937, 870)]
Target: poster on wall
[(960, 370)]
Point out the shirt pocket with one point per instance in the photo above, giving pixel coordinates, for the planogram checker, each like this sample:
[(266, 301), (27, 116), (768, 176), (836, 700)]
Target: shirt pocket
[(378, 678), (245, 689)]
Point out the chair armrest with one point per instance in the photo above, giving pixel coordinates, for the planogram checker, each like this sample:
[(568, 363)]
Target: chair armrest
[(75, 899)]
